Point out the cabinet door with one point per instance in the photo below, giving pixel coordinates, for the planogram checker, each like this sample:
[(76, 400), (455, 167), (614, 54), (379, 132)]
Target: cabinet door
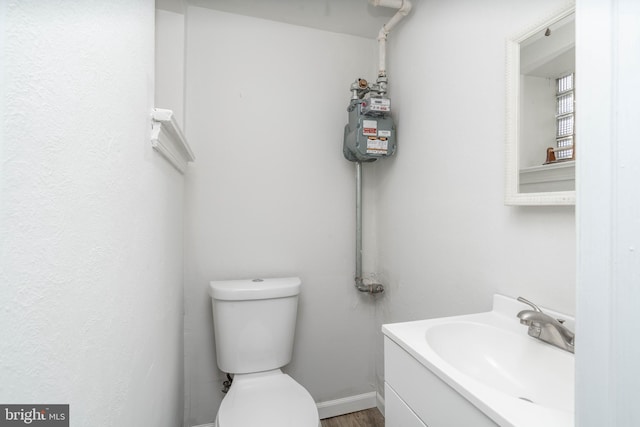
[(397, 413), (430, 398)]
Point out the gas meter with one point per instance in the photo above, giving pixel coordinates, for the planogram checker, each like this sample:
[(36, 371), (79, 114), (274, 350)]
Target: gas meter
[(370, 133)]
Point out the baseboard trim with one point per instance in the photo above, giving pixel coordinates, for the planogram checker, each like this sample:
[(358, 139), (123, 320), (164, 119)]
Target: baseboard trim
[(380, 403), (346, 405), (205, 425)]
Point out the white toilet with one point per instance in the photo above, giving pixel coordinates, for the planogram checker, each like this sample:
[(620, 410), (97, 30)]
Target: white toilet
[(254, 324)]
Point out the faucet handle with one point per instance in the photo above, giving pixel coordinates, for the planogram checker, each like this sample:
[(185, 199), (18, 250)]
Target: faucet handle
[(529, 303)]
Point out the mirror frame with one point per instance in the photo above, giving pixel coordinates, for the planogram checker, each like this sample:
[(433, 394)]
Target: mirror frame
[(512, 195)]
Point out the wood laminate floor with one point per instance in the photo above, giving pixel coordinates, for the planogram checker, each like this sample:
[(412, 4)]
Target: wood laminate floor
[(367, 418)]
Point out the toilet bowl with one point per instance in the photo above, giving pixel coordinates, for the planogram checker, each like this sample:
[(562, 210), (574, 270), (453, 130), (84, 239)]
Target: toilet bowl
[(254, 326), (267, 399)]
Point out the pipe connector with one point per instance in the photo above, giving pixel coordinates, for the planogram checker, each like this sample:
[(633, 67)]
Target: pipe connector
[(373, 288), (359, 88), (403, 6), (395, 4)]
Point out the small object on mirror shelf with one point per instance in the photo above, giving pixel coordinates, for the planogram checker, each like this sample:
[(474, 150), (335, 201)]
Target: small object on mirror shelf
[(551, 156)]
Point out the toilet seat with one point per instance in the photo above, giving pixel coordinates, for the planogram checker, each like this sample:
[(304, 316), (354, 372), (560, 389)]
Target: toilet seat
[(267, 399)]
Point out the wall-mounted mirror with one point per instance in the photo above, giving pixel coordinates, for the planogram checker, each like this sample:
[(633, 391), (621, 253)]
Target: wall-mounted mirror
[(540, 138)]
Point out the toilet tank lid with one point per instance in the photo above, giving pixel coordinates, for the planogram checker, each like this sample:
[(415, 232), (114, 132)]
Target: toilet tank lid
[(254, 289)]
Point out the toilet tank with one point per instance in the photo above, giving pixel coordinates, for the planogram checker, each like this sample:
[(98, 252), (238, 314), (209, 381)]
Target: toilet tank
[(254, 323)]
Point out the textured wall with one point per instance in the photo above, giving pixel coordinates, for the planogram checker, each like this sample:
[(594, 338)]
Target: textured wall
[(446, 241), (170, 60), (271, 193), (90, 217)]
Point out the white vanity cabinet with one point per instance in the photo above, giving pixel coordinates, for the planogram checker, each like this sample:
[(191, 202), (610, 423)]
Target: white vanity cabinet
[(415, 397)]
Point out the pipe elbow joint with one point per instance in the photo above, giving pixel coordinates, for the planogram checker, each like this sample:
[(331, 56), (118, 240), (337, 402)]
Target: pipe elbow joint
[(383, 33), (403, 6), (396, 4), (406, 7)]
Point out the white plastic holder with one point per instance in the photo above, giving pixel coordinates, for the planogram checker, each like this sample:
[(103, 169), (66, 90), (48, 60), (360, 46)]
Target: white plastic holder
[(167, 139)]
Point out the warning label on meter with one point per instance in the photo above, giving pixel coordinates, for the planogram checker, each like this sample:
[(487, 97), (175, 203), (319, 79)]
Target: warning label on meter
[(370, 127)]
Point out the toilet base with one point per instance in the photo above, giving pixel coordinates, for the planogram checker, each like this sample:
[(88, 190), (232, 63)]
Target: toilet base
[(267, 399)]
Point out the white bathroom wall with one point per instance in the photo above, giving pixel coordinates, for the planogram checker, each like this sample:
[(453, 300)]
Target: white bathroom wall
[(272, 195), (446, 240), (90, 217), (538, 122), (170, 56)]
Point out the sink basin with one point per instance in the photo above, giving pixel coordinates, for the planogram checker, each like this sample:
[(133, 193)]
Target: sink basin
[(512, 363), (489, 360)]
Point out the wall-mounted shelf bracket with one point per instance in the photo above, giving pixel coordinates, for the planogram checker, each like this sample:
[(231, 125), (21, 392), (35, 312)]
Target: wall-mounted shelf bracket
[(168, 139)]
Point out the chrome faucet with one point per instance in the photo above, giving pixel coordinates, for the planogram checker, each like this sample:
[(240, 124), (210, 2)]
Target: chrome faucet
[(546, 328)]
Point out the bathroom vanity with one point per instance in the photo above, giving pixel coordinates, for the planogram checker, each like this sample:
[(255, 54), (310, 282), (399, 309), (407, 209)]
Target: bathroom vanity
[(476, 370)]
